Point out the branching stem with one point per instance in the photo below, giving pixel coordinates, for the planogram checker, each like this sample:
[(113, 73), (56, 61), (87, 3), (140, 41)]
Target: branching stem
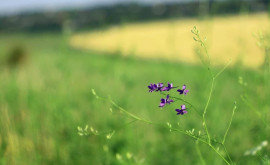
[(136, 118)]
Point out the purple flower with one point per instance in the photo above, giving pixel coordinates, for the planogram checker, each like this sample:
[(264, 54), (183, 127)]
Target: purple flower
[(152, 87), (164, 101), (183, 90), (159, 86), (169, 87), (181, 111)]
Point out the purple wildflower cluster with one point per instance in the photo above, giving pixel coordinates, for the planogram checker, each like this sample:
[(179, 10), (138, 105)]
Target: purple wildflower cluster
[(160, 87)]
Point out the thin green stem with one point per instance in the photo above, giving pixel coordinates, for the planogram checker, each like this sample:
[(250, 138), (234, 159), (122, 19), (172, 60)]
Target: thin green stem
[(199, 153), (228, 63), (206, 51), (225, 135), (130, 114), (205, 110), (123, 126), (223, 158), (227, 153), (127, 124), (196, 32)]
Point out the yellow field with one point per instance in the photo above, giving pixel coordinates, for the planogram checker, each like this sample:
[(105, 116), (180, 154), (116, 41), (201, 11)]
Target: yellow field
[(229, 37)]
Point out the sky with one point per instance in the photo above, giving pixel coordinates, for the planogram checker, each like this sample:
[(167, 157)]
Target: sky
[(18, 6)]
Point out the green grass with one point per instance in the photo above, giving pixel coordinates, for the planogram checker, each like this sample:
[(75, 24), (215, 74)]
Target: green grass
[(44, 100)]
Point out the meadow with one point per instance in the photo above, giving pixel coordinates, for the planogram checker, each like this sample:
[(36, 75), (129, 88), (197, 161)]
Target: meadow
[(46, 96), (172, 40)]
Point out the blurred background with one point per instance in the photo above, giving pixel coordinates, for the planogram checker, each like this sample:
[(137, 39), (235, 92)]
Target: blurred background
[(52, 53)]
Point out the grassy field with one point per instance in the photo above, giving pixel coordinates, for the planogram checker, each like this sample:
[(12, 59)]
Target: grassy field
[(44, 98), (228, 37)]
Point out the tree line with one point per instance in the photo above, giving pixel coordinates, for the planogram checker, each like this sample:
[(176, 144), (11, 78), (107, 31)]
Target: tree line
[(102, 17)]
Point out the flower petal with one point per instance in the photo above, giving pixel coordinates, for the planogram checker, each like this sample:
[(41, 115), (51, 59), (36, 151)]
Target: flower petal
[(169, 101), (186, 91), (180, 91), (183, 107), (161, 104), (184, 87)]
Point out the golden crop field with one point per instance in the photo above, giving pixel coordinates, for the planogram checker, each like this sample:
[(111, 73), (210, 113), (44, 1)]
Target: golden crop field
[(228, 37)]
